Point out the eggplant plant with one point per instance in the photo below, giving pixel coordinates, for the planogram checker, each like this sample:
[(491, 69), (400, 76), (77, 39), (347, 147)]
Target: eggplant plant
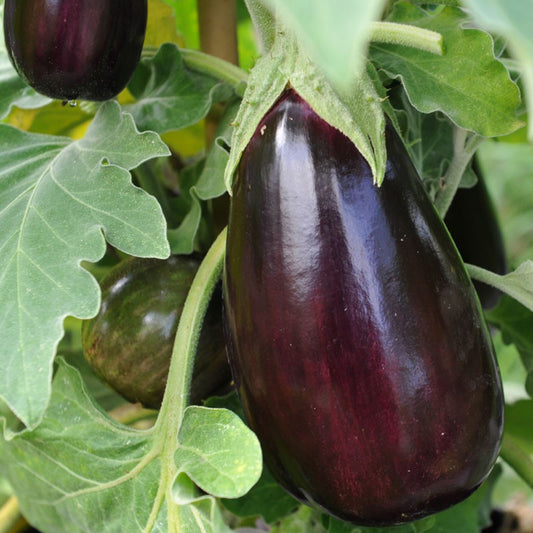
[(304, 157)]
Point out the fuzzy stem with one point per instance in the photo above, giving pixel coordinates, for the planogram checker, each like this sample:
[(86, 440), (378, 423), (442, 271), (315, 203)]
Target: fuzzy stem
[(214, 66), (207, 64), (407, 35), (177, 390), (517, 459), (180, 373), (464, 149)]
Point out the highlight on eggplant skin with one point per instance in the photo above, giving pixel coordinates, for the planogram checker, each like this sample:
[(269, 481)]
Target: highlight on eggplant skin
[(473, 224), (75, 49), (356, 341)]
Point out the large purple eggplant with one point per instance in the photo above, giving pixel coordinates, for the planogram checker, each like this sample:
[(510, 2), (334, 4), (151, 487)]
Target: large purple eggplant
[(473, 224), (355, 338), (70, 49)]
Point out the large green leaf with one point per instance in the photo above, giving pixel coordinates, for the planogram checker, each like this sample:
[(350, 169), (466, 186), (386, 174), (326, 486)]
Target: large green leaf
[(512, 20), (169, 95), (335, 33), (58, 199), (79, 471), (467, 83)]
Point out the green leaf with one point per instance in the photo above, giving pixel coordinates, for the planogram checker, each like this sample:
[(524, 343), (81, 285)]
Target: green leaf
[(467, 83), (266, 499), (169, 95), (518, 418), (511, 20), (218, 452), (58, 199), (518, 284), (334, 33), (79, 471), (304, 519), (515, 321), (207, 183)]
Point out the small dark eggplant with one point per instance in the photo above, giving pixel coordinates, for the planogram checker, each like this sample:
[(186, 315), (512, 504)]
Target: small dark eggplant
[(354, 334), (75, 49), (129, 343), (473, 225)]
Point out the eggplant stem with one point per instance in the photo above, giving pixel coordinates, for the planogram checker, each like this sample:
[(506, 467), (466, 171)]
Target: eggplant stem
[(178, 386), (407, 35)]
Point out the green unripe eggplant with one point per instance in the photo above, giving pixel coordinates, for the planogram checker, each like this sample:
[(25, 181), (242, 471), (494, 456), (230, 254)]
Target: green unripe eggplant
[(129, 343)]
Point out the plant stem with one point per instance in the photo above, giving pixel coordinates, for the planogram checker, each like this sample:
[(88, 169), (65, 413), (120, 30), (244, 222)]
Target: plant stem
[(208, 64), (517, 459), (214, 66), (463, 151), (179, 376), (9, 515), (178, 385), (407, 35)]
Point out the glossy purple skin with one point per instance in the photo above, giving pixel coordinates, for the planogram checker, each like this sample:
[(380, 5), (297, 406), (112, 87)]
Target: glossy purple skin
[(354, 334), (75, 49)]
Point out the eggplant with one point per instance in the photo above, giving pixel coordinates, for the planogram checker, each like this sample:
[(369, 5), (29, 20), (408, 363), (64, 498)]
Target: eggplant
[(355, 338), (129, 342), (75, 49), (473, 223)]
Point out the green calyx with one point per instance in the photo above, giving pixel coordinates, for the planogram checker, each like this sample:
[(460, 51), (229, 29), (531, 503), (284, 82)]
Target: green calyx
[(357, 113)]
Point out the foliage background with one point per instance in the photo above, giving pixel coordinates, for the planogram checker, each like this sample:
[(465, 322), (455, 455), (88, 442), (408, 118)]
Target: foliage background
[(506, 161)]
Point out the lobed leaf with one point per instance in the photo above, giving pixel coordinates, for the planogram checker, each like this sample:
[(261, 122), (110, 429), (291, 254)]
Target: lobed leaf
[(467, 83), (58, 200), (169, 95), (79, 471), (218, 452)]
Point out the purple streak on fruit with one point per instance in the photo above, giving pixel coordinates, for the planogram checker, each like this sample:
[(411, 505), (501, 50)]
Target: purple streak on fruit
[(473, 225), (70, 49), (129, 343), (354, 335)]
